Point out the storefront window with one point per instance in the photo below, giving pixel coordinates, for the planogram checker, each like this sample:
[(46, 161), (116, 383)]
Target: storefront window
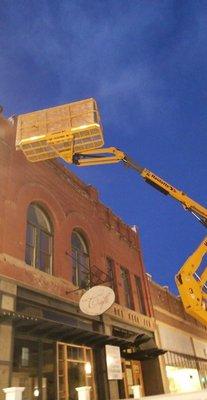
[(183, 379), (34, 369), (75, 369)]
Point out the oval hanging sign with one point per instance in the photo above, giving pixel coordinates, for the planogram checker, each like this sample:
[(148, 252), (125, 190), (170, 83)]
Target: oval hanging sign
[(97, 300)]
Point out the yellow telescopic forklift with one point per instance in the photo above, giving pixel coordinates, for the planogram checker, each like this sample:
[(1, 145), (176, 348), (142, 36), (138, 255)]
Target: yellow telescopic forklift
[(74, 133)]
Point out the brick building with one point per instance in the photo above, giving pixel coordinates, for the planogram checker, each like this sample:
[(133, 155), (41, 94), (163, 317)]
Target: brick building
[(57, 237), (184, 365)]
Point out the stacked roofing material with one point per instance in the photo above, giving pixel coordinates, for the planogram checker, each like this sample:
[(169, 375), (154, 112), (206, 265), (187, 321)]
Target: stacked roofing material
[(60, 131)]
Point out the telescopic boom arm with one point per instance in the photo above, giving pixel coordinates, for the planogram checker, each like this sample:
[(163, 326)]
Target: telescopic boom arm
[(192, 288), (112, 155)]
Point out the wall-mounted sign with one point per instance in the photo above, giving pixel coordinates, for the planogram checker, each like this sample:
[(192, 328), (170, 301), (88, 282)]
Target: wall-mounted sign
[(113, 362), (97, 300)]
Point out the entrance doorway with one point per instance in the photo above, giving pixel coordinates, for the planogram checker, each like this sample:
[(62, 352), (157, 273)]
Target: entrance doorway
[(132, 375), (74, 369)]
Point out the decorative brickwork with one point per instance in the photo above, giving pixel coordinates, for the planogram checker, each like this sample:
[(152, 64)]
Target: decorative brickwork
[(70, 204)]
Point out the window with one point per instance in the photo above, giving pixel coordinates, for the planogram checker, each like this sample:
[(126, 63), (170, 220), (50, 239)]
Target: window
[(25, 357), (140, 296), (132, 375), (34, 368), (127, 288), (80, 256), (38, 239), (111, 274), (78, 371)]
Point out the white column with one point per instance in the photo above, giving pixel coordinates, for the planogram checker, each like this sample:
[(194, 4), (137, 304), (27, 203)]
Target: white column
[(13, 393), (83, 392), (136, 391)]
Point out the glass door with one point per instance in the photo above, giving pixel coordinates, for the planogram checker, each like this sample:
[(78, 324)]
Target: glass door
[(74, 369)]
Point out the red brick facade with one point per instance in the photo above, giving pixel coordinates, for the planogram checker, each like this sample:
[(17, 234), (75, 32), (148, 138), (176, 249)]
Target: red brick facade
[(169, 309), (70, 204)]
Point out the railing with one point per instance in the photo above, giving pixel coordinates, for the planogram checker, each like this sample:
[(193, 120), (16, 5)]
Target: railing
[(93, 274)]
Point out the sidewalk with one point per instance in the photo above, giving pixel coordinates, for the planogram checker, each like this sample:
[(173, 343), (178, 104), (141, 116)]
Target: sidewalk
[(200, 395)]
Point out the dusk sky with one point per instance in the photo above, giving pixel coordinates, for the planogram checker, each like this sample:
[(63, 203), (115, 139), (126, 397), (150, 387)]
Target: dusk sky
[(145, 62)]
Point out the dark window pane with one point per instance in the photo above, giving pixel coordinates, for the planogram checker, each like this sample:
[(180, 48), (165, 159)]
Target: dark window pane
[(78, 242), (80, 263), (30, 235), (80, 268), (45, 242), (75, 353), (111, 275), (127, 288), (84, 279), (37, 217), (29, 255), (38, 250), (110, 269), (76, 377), (25, 357), (140, 295), (44, 261), (75, 267)]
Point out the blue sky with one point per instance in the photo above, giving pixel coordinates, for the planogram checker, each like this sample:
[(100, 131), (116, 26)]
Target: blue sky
[(145, 63)]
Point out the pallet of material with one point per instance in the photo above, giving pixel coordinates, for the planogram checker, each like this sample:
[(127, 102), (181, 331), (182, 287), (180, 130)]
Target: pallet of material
[(60, 131)]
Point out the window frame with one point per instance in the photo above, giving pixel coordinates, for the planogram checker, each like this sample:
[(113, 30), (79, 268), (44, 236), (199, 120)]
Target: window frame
[(76, 264), (140, 295), (129, 303), (110, 263), (37, 251)]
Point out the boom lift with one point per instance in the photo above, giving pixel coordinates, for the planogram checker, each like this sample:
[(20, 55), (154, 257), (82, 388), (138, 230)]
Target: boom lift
[(47, 134), (192, 288)]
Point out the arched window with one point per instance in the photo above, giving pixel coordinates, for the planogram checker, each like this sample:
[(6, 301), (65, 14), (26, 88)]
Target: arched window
[(80, 256), (38, 239)]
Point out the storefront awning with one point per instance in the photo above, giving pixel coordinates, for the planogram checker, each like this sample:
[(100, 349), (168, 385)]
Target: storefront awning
[(29, 325), (144, 354), (47, 329)]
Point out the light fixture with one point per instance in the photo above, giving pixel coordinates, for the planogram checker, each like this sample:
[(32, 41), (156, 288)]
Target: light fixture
[(88, 368), (36, 392)]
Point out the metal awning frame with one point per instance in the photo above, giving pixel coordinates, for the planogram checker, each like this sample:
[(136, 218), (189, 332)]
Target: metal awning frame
[(43, 328), (57, 331)]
